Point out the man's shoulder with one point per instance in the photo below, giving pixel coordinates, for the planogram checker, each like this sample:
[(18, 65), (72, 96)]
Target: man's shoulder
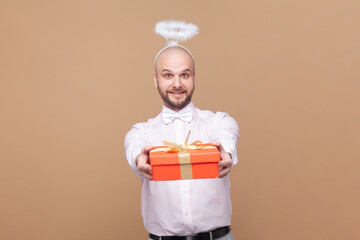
[(150, 123), (204, 113), (210, 115)]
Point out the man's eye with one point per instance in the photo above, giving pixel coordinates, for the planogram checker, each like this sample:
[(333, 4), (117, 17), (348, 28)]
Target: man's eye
[(168, 75), (184, 75)]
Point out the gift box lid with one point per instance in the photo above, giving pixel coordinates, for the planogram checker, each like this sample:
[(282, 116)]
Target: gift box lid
[(207, 154)]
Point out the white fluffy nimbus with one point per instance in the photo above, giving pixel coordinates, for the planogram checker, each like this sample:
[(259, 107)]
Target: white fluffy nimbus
[(176, 31)]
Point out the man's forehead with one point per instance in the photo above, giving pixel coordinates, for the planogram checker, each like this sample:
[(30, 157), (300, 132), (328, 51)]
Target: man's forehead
[(174, 58), (179, 69)]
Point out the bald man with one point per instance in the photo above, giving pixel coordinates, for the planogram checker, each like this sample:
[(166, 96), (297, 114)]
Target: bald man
[(183, 209)]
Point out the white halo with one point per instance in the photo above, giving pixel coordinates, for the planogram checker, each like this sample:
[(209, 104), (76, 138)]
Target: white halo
[(176, 31)]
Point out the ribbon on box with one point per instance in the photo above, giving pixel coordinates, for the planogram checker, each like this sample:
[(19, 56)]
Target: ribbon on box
[(173, 147), (183, 154)]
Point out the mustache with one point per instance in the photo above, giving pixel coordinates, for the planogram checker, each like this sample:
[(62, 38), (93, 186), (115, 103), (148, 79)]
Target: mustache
[(180, 89)]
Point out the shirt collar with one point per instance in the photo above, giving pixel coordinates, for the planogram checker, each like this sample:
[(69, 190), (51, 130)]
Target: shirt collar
[(188, 107)]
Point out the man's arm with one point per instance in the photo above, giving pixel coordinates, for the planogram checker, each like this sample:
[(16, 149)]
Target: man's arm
[(225, 137), (226, 161), (143, 163), (137, 150)]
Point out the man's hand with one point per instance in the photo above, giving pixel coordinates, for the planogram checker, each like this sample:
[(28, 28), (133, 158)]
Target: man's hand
[(225, 160), (143, 163)]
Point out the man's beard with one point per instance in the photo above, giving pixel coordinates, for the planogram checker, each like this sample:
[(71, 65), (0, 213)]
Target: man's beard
[(176, 105)]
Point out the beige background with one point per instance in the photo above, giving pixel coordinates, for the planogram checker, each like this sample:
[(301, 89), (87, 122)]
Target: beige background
[(76, 75)]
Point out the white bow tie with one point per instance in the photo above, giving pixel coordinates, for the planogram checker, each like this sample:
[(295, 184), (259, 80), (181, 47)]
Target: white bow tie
[(169, 115)]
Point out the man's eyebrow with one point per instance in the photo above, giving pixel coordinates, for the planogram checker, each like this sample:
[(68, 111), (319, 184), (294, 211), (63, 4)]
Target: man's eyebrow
[(168, 70)]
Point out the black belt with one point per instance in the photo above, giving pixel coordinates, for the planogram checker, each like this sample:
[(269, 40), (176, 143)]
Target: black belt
[(217, 233)]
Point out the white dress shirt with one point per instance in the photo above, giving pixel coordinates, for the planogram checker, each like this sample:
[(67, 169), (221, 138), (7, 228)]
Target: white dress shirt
[(184, 207)]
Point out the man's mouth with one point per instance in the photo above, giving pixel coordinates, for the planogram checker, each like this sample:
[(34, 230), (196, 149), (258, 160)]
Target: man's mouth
[(177, 93)]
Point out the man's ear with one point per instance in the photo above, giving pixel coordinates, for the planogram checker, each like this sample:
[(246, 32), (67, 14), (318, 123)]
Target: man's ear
[(155, 79)]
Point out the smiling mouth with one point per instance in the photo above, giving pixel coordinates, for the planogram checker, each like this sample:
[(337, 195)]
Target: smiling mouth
[(177, 93)]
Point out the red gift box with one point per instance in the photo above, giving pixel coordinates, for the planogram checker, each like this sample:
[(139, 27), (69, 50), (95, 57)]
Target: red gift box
[(184, 162)]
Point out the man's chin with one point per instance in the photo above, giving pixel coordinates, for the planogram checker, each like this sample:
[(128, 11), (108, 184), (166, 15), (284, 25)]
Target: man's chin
[(179, 105), (176, 103)]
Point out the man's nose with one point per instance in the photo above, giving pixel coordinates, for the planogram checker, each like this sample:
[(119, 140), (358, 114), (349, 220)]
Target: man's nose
[(177, 81)]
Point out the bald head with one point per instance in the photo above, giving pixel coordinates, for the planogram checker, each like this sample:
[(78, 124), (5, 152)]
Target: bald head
[(171, 54), (174, 77)]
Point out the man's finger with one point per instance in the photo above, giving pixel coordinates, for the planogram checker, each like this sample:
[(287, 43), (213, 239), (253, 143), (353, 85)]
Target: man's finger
[(146, 171), (224, 172), (225, 163), (219, 146), (147, 175), (145, 167), (146, 149)]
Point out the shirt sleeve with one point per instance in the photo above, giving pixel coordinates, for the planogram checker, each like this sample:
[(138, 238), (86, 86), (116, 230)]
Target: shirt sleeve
[(226, 131), (135, 140)]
